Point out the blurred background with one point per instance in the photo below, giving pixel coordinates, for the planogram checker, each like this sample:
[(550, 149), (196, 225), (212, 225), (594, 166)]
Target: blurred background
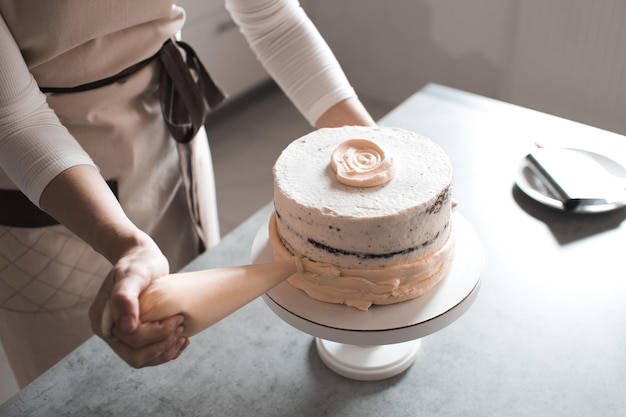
[(563, 57)]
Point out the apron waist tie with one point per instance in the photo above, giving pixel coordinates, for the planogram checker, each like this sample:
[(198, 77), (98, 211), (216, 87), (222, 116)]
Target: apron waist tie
[(16, 210)]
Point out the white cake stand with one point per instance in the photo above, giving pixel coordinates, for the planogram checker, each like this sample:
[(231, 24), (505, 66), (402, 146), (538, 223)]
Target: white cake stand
[(383, 341)]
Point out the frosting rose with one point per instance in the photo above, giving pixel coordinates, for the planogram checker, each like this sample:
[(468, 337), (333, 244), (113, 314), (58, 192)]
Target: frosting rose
[(362, 163)]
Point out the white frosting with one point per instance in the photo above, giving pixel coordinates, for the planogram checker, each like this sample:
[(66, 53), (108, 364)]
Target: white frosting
[(387, 241), (404, 220)]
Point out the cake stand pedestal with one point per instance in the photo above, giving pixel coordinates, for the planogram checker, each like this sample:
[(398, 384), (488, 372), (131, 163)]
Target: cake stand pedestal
[(383, 341), (367, 363)]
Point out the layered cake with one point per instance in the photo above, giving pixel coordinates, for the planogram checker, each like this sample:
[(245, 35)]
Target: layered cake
[(366, 211)]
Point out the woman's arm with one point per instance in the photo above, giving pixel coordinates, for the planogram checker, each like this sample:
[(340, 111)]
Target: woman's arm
[(95, 216), (346, 113), (294, 53), (34, 146), (49, 166)]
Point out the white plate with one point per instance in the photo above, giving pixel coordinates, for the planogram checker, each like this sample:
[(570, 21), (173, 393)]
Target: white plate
[(532, 186), (380, 325)]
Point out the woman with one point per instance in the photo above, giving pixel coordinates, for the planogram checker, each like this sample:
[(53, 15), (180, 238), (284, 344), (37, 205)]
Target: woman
[(99, 159)]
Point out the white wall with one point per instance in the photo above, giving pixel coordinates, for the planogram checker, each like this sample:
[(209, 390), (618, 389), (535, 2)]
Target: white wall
[(565, 57), (570, 59)]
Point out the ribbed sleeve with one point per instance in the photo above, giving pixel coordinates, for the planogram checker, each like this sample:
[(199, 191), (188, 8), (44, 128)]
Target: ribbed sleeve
[(34, 146), (294, 53)]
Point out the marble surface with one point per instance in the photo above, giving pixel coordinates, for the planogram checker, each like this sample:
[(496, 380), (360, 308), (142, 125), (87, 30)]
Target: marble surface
[(544, 337)]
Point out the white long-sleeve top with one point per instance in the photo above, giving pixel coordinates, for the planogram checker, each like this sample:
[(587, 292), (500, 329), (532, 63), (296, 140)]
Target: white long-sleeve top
[(63, 44)]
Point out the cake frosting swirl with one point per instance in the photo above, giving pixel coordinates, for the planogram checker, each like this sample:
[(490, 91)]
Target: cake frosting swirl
[(384, 235), (362, 163)]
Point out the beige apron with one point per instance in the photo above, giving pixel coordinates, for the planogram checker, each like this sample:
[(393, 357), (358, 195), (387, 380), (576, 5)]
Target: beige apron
[(48, 277)]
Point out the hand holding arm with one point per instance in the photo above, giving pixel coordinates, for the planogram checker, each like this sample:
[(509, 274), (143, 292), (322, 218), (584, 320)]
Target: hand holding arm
[(50, 167), (95, 215)]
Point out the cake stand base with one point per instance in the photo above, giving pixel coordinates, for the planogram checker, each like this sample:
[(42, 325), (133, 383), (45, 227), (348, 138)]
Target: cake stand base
[(383, 341), (367, 363)]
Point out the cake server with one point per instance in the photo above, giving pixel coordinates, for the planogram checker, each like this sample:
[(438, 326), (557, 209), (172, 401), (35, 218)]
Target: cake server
[(577, 177)]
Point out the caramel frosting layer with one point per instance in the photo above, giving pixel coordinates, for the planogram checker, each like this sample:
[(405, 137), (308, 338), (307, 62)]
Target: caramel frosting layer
[(362, 287)]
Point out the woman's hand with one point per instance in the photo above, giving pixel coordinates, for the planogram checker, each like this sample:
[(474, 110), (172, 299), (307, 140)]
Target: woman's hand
[(80, 199), (114, 313), (346, 113)]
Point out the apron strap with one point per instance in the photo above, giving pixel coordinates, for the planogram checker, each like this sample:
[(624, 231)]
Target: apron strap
[(16, 210), (187, 91)]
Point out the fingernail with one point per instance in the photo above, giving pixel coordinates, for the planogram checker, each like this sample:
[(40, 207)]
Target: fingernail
[(179, 330), (180, 342), (181, 345)]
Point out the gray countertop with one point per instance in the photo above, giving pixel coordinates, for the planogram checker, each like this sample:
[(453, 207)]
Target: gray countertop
[(546, 335)]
